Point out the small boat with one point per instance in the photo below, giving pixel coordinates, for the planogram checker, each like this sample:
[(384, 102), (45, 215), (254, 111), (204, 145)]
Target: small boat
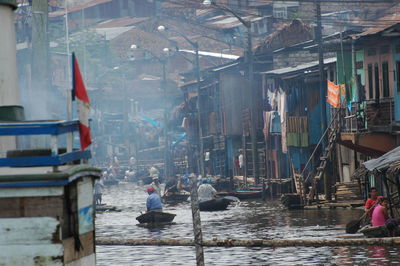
[(176, 196), (378, 231), (292, 201), (106, 208), (254, 192), (218, 204), (155, 217)]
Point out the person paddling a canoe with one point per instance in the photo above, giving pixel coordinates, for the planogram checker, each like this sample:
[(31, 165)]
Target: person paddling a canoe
[(206, 191), (380, 214), (153, 202), (372, 202)]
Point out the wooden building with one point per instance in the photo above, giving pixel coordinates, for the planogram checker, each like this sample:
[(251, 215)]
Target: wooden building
[(370, 70)]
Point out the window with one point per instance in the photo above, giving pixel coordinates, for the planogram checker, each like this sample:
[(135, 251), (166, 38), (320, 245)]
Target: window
[(280, 12), (370, 82), (397, 49), (377, 92), (385, 79)]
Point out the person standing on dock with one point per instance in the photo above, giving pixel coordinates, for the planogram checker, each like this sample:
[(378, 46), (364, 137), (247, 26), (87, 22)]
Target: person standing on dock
[(98, 191), (241, 162), (206, 191), (153, 202), (372, 202)]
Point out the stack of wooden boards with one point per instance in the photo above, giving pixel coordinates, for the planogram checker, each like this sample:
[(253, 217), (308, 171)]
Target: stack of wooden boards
[(349, 193)]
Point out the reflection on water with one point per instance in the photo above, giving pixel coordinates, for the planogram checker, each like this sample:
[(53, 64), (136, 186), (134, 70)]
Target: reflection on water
[(247, 220)]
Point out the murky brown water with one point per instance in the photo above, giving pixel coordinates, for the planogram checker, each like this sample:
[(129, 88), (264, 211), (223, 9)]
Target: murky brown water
[(247, 220)]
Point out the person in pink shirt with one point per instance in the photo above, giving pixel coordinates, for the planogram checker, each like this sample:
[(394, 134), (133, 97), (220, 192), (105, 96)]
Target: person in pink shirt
[(380, 213)]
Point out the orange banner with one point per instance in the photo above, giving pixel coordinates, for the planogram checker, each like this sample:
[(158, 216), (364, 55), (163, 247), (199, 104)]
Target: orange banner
[(333, 94)]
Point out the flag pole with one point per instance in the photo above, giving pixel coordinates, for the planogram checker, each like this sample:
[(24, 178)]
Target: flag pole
[(70, 136)]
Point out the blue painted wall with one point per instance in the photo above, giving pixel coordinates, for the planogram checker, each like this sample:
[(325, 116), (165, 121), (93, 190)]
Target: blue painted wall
[(299, 156), (314, 124)]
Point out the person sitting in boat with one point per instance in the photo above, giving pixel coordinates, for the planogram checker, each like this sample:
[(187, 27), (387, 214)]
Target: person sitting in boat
[(372, 202), (171, 186), (156, 185), (380, 213), (153, 202), (206, 191), (153, 172)]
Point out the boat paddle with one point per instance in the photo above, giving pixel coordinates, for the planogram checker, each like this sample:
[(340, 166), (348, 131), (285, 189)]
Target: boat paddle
[(353, 226)]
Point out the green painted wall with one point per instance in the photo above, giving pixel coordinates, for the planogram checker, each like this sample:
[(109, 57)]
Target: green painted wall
[(345, 72)]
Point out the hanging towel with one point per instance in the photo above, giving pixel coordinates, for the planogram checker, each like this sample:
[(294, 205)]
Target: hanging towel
[(267, 124), (282, 112)]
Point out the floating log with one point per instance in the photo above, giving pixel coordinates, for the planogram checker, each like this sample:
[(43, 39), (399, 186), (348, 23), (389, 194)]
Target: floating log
[(389, 241)]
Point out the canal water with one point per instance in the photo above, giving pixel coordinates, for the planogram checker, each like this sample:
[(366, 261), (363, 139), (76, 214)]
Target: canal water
[(253, 219)]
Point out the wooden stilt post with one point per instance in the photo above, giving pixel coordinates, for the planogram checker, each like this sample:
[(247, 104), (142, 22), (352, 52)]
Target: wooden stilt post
[(385, 182), (198, 236)]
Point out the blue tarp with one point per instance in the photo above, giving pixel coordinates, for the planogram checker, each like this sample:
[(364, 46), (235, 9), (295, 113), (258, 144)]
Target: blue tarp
[(151, 121)]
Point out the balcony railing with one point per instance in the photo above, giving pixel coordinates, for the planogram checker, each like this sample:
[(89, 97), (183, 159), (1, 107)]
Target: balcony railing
[(54, 157), (369, 115)]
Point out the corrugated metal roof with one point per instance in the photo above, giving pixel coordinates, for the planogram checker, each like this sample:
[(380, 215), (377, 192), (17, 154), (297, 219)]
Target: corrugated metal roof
[(112, 33), (260, 3), (384, 23), (120, 22), (212, 54), (227, 22), (302, 67), (225, 67), (78, 8)]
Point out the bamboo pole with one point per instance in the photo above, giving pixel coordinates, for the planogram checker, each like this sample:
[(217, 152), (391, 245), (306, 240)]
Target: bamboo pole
[(388, 241)]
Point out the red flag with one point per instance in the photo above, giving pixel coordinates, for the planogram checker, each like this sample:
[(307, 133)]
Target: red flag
[(79, 91)]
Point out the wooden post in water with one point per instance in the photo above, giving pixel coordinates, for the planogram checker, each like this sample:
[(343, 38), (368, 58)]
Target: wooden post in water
[(198, 235)]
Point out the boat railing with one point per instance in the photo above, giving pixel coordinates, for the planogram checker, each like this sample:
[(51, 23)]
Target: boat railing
[(54, 157)]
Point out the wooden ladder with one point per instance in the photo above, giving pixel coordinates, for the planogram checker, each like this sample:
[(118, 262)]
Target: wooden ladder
[(334, 132)]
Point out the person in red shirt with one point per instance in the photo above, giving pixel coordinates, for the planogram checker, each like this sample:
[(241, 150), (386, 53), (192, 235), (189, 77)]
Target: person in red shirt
[(372, 202)]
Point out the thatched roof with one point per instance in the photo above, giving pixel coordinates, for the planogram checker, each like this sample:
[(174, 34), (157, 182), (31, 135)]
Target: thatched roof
[(289, 34)]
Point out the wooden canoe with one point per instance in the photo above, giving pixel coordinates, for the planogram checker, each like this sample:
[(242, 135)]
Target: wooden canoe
[(378, 231), (219, 204), (242, 194), (176, 196), (252, 192), (155, 217)]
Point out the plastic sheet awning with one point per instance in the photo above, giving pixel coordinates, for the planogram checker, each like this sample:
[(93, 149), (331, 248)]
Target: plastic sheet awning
[(384, 161)]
